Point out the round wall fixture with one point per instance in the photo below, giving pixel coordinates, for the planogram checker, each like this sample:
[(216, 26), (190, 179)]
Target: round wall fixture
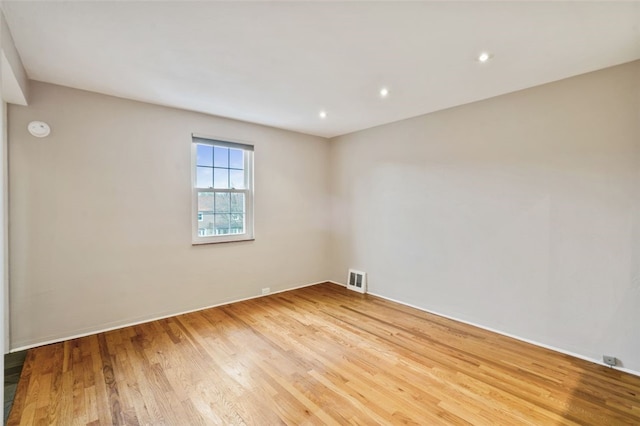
[(39, 129)]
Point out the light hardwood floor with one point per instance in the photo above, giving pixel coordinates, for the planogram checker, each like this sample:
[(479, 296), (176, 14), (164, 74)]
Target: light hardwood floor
[(317, 355)]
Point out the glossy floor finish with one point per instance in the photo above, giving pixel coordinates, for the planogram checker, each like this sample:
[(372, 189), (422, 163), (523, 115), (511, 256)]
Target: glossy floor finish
[(317, 355)]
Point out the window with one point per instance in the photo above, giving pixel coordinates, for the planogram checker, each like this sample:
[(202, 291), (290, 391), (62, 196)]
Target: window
[(222, 191)]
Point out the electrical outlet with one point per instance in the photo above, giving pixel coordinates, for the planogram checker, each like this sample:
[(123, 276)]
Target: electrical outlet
[(266, 290), (609, 360)]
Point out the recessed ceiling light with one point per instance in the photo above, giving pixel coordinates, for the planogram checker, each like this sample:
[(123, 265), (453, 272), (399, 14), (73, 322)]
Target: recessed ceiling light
[(323, 114), (384, 92), (484, 57)]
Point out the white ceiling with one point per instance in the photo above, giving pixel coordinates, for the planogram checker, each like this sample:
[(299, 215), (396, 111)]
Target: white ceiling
[(280, 63)]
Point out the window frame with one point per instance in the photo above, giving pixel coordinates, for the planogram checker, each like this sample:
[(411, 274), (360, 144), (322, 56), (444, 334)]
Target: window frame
[(248, 191)]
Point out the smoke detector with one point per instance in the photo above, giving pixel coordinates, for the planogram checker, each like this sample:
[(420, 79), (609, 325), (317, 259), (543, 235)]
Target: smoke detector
[(39, 129)]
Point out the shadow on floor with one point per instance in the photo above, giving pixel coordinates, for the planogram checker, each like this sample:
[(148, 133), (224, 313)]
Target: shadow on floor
[(12, 368), (602, 396)]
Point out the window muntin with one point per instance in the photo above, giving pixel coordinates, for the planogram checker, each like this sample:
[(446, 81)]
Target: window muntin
[(222, 191), (220, 167)]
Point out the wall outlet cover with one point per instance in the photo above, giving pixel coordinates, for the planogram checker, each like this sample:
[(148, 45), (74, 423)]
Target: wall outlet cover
[(609, 360)]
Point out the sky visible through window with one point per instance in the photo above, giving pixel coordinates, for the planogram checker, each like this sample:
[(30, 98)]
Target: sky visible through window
[(219, 167)]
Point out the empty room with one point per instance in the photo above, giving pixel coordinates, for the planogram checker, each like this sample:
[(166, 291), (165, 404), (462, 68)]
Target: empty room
[(319, 212)]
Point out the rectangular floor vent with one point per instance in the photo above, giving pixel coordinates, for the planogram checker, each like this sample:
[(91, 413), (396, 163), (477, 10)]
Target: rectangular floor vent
[(357, 281)]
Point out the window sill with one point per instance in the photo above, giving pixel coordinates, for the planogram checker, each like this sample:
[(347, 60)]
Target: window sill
[(203, 243)]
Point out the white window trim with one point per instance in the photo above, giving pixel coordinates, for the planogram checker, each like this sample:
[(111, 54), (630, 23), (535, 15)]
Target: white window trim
[(248, 235)]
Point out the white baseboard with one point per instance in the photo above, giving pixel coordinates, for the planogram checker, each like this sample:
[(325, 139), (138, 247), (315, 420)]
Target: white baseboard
[(90, 332), (513, 336), (169, 315)]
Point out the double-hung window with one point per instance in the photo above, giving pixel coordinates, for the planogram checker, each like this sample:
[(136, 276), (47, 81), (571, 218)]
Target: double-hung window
[(222, 191)]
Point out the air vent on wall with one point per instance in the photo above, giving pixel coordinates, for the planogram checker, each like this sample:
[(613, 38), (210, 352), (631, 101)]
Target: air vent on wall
[(357, 281)]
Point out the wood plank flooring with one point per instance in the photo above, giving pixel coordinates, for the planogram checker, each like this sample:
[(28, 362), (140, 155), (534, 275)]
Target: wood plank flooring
[(317, 355)]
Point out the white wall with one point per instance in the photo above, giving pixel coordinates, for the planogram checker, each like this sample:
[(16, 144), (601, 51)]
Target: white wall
[(14, 83), (520, 213), (3, 243), (101, 215), (13, 88)]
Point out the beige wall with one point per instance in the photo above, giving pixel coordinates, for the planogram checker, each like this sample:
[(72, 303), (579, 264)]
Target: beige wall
[(520, 213), (100, 229)]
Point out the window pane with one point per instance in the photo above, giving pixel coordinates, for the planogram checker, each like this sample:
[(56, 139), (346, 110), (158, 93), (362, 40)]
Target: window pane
[(221, 178), (222, 202), (220, 156), (204, 155), (236, 225), (205, 202), (236, 178), (236, 158), (237, 203), (204, 177), (205, 227), (221, 224)]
